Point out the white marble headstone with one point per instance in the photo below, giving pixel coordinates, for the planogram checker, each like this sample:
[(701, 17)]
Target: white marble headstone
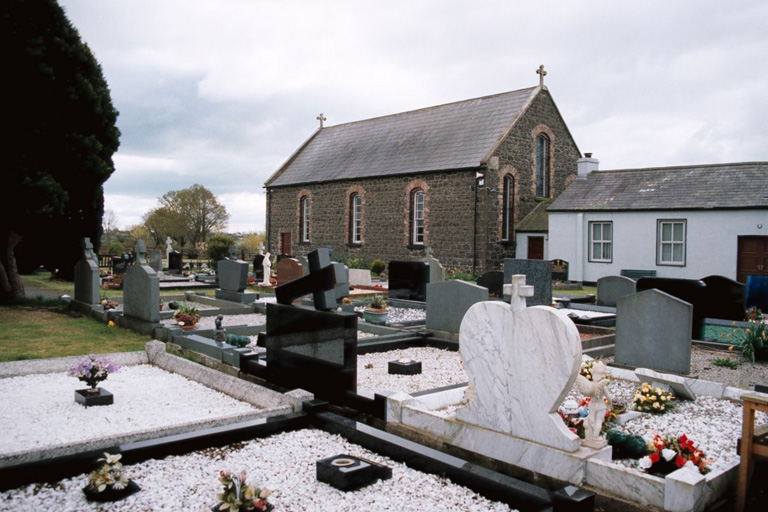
[(521, 365)]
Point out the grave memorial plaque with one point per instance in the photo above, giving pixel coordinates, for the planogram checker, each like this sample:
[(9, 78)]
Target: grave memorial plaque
[(348, 473), (404, 367), (408, 280), (560, 270)]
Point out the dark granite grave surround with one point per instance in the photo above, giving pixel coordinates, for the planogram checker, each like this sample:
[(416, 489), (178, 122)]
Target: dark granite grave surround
[(692, 291), (408, 280), (538, 273), (724, 298), (494, 281), (348, 473)]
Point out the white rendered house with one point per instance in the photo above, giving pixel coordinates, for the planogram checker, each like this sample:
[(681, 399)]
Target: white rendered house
[(685, 222)]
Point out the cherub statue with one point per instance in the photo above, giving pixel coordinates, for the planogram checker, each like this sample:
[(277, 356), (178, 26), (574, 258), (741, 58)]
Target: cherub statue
[(596, 389)]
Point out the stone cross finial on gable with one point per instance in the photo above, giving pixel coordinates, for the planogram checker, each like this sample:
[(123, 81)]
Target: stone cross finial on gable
[(541, 74), (518, 291), (321, 118)]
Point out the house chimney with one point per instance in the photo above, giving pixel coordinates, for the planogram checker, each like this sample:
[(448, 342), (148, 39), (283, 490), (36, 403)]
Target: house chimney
[(586, 165)]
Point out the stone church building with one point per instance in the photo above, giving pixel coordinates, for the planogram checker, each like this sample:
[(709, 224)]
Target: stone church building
[(457, 178)]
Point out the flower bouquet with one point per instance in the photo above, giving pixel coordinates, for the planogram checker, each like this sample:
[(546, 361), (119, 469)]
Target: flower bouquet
[(671, 453), (653, 400), (93, 370), (187, 316), (239, 495), (108, 482)]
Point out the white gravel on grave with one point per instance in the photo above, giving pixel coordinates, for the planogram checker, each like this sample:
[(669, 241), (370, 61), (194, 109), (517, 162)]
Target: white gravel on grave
[(209, 322), (39, 411), (284, 463), (399, 315), (438, 368)]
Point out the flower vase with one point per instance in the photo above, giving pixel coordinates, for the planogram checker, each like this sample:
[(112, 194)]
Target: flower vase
[(93, 396), (375, 316)]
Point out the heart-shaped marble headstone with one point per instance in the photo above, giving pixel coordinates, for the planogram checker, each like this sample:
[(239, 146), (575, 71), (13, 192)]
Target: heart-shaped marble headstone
[(520, 365)]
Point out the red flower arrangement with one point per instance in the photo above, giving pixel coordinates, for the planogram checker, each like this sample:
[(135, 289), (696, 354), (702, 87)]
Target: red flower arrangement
[(671, 453)]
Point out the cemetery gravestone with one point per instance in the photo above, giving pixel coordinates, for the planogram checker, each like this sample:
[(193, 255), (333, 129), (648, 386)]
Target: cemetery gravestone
[(168, 249), (521, 365), (120, 264), (448, 302), (724, 298), (360, 277), (141, 296), (538, 273), (156, 260), (436, 270), (494, 281), (288, 269), (408, 280), (233, 279), (610, 288), (87, 280), (653, 330), (175, 261), (258, 267), (691, 291), (560, 270), (304, 264), (757, 293), (320, 282), (342, 281)]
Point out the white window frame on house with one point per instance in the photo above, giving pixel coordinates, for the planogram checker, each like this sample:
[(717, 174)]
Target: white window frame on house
[(602, 242), (356, 214), (542, 165), (304, 207), (417, 223), (507, 213), (671, 243)]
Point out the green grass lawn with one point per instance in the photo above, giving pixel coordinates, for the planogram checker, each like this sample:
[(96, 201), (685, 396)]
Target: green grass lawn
[(29, 332)]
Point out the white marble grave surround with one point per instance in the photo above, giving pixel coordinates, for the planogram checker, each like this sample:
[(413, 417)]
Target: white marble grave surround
[(521, 366), (674, 383)]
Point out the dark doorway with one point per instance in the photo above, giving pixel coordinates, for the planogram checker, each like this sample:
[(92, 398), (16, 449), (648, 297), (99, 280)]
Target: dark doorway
[(535, 247), (285, 243)]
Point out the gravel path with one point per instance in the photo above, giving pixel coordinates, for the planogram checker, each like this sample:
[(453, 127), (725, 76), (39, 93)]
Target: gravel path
[(284, 463)]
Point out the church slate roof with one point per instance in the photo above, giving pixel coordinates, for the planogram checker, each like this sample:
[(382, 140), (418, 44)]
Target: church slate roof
[(695, 187), (453, 136)]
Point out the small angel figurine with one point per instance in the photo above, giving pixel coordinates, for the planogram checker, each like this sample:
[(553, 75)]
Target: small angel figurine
[(596, 389)]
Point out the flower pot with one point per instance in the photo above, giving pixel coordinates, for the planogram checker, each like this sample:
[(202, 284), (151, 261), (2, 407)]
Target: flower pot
[(375, 316), (110, 494), (188, 327), (88, 398)]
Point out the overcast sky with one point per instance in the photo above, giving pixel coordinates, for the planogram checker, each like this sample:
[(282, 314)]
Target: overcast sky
[(222, 92)]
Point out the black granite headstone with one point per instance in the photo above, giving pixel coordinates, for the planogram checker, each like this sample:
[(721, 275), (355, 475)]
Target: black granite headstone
[(320, 282), (258, 267), (757, 293), (559, 270), (408, 280), (348, 473), (692, 291), (494, 281), (724, 298), (175, 262)]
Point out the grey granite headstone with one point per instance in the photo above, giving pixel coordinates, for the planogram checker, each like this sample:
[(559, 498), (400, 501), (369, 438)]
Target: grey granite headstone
[(141, 289), (156, 260), (304, 264), (360, 277), (448, 301), (233, 279), (87, 281), (610, 288), (653, 330), (538, 273), (436, 270), (342, 281)]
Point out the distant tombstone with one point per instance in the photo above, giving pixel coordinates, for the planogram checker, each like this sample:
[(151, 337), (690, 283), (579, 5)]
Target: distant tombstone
[(120, 264), (87, 281), (360, 277), (156, 260), (559, 270), (448, 302), (168, 249), (521, 364), (610, 288), (258, 267), (175, 261), (494, 281), (233, 279), (288, 269), (304, 264), (757, 293), (342, 281), (692, 291), (436, 270), (408, 280), (538, 273), (653, 330), (724, 298), (141, 289)]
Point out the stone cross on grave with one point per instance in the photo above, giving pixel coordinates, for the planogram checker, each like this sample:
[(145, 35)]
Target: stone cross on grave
[(88, 249), (541, 74), (320, 282), (321, 118), (518, 291), (141, 252)]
